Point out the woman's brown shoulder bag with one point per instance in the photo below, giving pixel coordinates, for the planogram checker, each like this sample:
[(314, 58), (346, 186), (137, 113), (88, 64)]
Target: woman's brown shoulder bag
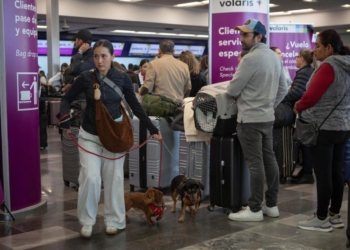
[(116, 137)]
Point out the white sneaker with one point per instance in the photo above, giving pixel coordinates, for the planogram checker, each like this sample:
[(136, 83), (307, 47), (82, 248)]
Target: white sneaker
[(111, 230), (336, 221), (86, 231), (270, 211), (246, 215)]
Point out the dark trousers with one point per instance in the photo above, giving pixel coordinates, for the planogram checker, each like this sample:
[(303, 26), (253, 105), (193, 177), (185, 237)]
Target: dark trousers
[(257, 145), (328, 158), (307, 159)]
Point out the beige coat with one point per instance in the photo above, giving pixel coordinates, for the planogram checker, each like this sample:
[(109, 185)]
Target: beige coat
[(169, 77)]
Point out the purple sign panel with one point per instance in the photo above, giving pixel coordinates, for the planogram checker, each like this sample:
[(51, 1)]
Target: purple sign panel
[(290, 39), (225, 40), (21, 57)]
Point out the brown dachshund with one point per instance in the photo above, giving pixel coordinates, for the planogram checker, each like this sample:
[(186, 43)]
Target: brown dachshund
[(189, 192), (151, 202)]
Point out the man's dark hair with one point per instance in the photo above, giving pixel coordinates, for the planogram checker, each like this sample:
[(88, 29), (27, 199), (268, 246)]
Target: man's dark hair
[(130, 66), (263, 39), (167, 46)]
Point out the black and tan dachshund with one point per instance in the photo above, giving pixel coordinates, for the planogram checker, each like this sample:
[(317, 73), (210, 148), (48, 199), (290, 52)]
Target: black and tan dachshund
[(189, 191)]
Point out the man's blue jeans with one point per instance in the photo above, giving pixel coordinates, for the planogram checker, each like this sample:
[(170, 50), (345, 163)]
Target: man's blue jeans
[(257, 145)]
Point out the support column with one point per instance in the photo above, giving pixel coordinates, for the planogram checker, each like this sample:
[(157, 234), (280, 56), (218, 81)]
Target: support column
[(53, 37), (224, 40), (19, 100)]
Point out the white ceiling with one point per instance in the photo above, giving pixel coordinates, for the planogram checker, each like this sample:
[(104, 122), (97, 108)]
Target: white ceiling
[(103, 27)]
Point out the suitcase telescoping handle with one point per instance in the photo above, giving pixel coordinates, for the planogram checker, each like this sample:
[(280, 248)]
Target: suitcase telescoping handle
[(222, 172)]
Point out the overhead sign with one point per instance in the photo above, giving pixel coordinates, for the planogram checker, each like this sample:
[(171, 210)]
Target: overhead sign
[(153, 49), (144, 49), (224, 40), (139, 49), (197, 50), (290, 39), (180, 48), (67, 47)]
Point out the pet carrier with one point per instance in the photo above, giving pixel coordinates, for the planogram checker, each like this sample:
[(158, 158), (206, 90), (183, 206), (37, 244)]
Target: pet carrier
[(215, 111)]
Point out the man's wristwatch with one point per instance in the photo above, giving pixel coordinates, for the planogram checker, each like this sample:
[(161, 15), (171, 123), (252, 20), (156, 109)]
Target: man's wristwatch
[(80, 52)]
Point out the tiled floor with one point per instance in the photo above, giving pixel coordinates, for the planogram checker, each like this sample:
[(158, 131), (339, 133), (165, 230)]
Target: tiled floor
[(58, 227)]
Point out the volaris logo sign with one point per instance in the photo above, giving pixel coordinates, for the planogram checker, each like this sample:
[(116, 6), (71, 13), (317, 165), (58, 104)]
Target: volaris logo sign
[(228, 6), (288, 28), (237, 3)]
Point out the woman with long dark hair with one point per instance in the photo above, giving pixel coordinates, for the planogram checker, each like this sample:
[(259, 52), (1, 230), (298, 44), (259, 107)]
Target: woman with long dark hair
[(143, 68)]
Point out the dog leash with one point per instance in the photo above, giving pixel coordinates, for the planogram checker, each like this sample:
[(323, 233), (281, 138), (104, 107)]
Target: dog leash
[(172, 156), (133, 149), (112, 159)]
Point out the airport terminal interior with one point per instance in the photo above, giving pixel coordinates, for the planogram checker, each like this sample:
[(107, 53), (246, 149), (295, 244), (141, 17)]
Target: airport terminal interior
[(144, 21), (59, 228)]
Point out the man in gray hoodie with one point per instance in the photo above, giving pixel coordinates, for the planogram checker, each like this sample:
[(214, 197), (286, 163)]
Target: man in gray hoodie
[(259, 85)]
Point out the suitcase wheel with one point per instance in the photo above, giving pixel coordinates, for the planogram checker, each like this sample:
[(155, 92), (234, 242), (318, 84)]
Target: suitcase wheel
[(211, 208), (132, 188), (66, 183)]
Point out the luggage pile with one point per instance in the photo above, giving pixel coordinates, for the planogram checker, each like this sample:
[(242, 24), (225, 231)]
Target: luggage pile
[(70, 159)]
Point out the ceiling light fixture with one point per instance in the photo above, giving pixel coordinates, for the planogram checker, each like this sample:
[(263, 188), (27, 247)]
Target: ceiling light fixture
[(186, 35), (146, 32), (347, 30), (192, 4), (130, 1), (301, 11), (41, 26), (271, 5), (279, 13), (290, 12), (123, 31), (157, 34), (167, 34), (346, 5)]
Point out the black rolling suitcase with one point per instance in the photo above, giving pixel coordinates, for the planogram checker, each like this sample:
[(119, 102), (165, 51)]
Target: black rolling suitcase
[(70, 159), (43, 130), (229, 175), (283, 145), (43, 122)]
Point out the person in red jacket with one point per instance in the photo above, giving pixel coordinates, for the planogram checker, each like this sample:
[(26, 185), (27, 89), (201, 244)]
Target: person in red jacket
[(328, 94)]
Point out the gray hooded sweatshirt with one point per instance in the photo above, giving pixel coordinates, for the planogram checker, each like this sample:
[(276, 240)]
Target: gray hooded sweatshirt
[(339, 120), (259, 85)]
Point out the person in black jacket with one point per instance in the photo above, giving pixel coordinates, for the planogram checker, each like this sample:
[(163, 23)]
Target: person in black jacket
[(92, 166), (306, 63), (198, 79), (82, 60)]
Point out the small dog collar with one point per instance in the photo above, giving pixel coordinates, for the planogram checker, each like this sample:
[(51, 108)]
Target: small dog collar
[(156, 210)]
